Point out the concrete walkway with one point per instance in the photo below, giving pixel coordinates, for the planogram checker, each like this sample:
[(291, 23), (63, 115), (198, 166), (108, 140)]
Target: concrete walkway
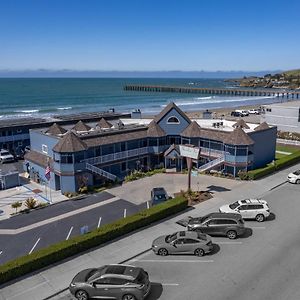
[(50, 281)]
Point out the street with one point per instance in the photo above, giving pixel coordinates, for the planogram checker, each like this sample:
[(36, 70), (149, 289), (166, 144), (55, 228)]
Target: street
[(263, 265)]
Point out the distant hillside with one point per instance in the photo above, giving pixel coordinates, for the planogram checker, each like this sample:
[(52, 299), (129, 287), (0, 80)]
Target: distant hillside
[(284, 80)]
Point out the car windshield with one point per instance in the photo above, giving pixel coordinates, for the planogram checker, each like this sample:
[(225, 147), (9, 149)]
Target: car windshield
[(4, 152), (234, 205), (171, 237), (160, 197), (297, 172)]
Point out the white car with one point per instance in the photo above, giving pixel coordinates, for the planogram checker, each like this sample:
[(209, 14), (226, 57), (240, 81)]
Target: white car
[(249, 209), (243, 113), (5, 156), (294, 177), (254, 111)]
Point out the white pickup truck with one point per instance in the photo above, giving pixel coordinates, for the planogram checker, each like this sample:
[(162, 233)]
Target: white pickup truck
[(5, 156)]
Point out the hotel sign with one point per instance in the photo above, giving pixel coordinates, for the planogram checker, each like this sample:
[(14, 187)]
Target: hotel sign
[(188, 151)]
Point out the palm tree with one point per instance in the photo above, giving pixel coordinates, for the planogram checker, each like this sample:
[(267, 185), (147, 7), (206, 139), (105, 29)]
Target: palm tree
[(30, 203), (16, 205)]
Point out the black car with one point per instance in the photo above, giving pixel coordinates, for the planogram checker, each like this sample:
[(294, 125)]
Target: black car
[(159, 195), (226, 224)]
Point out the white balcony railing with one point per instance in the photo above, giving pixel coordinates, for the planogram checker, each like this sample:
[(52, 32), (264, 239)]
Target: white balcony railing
[(101, 172), (211, 164)]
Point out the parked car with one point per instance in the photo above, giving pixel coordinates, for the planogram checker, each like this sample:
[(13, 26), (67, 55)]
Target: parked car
[(230, 225), (5, 156), (243, 113), (183, 242), (249, 209), (235, 114), (294, 177), (159, 195), (254, 111), (122, 282)]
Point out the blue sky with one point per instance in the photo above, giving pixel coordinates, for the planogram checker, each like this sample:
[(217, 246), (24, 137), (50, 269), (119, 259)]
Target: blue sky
[(150, 35)]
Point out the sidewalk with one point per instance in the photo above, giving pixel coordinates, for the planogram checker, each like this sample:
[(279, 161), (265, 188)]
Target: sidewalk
[(50, 281)]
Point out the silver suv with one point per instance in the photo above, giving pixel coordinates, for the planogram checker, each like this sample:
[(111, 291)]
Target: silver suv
[(121, 282), (183, 242), (249, 209)]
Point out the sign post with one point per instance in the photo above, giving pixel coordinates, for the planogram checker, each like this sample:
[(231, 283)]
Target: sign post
[(190, 152)]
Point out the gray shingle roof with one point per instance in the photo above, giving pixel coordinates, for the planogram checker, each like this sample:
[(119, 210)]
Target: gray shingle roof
[(70, 143), (154, 130), (193, 130), (56, 129), (38, 158), (262, 126), (170, 106), (104, 124), (80, 126), (238, 137), (241, 123)]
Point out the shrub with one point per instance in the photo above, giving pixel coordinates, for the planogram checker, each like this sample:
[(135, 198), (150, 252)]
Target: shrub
[(16, 205), (30, 203), (57, 252), (140, 174)]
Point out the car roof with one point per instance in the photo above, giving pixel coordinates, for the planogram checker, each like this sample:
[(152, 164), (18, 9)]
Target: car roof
[(219, 215), (247, 201), (124, 271), (189, 234)]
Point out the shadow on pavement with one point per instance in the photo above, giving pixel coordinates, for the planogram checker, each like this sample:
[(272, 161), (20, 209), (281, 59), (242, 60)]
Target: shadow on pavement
[(271, 217), (247, 233), (156, 291), (215, 250), (216, 188)]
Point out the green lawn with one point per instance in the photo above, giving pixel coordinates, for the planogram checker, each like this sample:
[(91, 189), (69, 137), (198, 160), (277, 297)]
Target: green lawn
[(287, 148)]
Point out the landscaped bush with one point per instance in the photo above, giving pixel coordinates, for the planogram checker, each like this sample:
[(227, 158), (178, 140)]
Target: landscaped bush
[(105, 233), (279, 164), (140, 174)]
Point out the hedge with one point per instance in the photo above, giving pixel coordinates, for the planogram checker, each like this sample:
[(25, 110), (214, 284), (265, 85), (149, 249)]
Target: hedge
[(279, 164), (57, 252)]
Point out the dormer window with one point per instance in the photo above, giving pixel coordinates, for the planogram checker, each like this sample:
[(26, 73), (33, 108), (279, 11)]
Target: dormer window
[(173, 120)]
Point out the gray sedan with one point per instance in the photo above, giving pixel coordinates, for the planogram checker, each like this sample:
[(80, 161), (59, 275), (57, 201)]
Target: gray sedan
[(183, 242)]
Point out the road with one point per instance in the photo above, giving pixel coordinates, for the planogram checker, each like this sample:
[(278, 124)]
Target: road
[(109, 210), (264, 265)]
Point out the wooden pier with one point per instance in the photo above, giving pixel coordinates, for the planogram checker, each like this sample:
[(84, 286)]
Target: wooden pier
[(214, 91)]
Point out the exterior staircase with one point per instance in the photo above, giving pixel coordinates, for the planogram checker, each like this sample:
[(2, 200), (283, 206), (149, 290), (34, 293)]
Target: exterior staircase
[(101, 172), (211, 164)]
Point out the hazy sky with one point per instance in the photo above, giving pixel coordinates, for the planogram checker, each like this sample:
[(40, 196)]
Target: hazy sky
[(150, 35)]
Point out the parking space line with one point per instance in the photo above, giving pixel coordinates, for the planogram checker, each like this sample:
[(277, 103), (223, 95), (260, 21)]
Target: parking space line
[(125, 211), (229, 243), (99, 222), (171, 261), (148, 205), (170, 284), (69, 233), (258, 227), (34, 245)]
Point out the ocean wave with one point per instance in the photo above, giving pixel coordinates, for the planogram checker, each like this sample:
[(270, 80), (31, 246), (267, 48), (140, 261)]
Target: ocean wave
[(65, 108), (29, 111)]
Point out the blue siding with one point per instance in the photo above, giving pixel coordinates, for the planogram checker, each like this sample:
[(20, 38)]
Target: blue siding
[(173, 129), (38, 139), (40, 171), (264, 146)]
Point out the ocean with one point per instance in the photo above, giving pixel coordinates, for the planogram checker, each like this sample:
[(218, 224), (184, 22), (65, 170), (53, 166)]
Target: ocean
[(44, 97)]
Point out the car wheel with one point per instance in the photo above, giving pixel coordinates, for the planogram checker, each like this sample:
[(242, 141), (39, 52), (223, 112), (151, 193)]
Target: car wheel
[(81, 295), (199, 252), (298, 181), (163, 252), (231, 234), (260, 218), (128, 297)]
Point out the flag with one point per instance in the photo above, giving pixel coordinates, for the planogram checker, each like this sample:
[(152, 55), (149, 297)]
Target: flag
[(48, 173)]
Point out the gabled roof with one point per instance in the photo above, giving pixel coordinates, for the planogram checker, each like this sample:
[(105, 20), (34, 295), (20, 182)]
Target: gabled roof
[(80, 126), (70, 143), (56, 129), (173, 147), (38, 158), (169, 107), (241, 123), (262, 126), (193, 130), (238, 137), (154, 130), (104, 124)]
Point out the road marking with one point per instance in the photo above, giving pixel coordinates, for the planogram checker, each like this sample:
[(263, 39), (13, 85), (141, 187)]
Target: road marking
[(125, 212), (229, 243), (170, 284), (258, 227), (69, 233), (34, 245), (148, 205), (1, 252), (99, 222), (171, 261)]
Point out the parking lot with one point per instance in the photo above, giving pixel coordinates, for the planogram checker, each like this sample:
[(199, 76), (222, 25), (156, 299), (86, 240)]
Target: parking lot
[(263, 264)]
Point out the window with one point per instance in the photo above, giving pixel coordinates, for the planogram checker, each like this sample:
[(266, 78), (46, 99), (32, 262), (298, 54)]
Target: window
[(229, 222), (243, 207), (66, 158), (190, 241), (179, 241), (19, 130), (173, 120), (20, 143), (118, 281), (123, 166), (45, 148), (102, 281)]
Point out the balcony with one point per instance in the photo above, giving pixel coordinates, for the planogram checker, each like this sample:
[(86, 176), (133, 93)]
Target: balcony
[(12, 138)]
